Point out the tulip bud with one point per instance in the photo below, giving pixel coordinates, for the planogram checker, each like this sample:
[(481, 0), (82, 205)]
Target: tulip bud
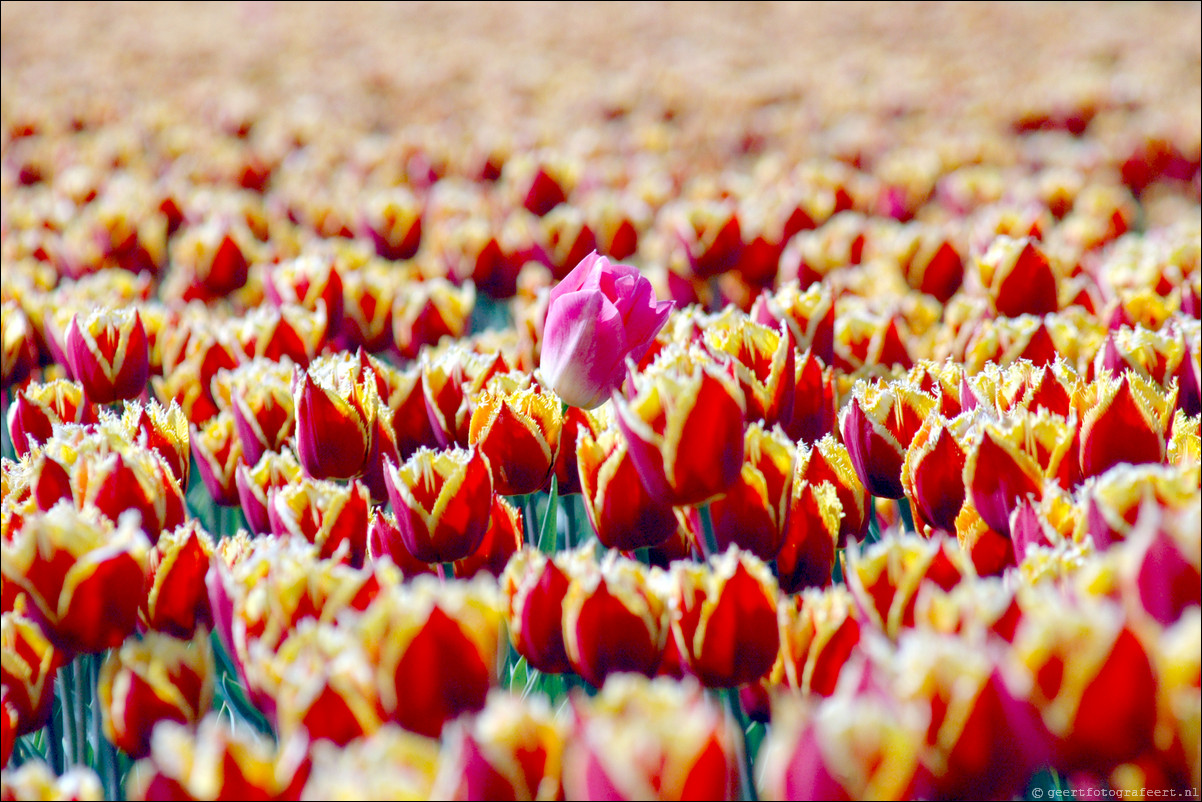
[(450, 384), (809, 314), (1006, 462), (19, 347), (108, 354), (599, 315), (828, 460), (218, 457), (933, 472), (162, 429), (878, 424), (504, 537), (336, 412), (153, 679), (442, 502), (384, 540), (753, 513), (807, 555), (724, 618), (518, 433), (622, 513), (814, 394), (613, 620), (764, 364), (684, 428), (1124, 420)]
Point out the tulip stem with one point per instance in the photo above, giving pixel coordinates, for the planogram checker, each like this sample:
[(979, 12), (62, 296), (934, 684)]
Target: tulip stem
[(81, 710), (549, 531), (105, 756), (54, 741), (66, 694), (569, 537), (746, 777), (903, 512), (707, 530)]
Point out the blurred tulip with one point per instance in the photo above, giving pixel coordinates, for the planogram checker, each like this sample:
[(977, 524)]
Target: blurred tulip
[(37, 780), (436, 648), (327, 514), (262, 405), (212, 761), (19, 345), (535, 586), (885, 577), (510, 750), (218, 454), (29, 664), (153, 679), (1092, 681), (36, 408), (809, 314), (1018, 277), (819, 633), (434, 309), (393, 221), (852, 746), (257, 484), (657, 739), (177, 602), (108, 354), (389, 763), (599, 315), (84, 575), (306, 282), (442, 502)]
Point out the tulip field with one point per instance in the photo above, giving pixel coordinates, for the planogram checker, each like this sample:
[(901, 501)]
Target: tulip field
[(599, 401)]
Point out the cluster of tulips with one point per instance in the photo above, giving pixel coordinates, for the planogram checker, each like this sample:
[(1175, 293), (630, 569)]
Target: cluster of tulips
[(336, 468)]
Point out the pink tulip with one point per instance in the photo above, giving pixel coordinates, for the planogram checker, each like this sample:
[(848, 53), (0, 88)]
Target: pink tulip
[(599, 315)]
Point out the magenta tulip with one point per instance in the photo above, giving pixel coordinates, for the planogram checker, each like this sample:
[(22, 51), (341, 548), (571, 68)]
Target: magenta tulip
[(599, 315)]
